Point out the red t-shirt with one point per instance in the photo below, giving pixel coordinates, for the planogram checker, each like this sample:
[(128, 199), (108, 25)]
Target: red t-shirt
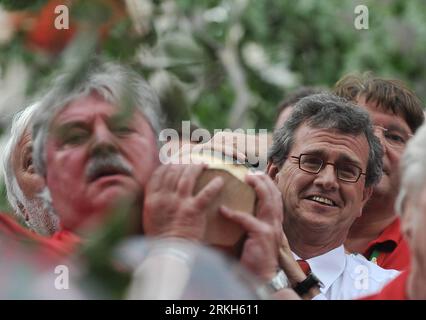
[(394, 290), (390, 250), (60, 244), (64, 242), (11, 228)]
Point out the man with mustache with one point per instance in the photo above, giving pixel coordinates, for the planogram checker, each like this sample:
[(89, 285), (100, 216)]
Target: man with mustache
[(396, 113), (95, 144)]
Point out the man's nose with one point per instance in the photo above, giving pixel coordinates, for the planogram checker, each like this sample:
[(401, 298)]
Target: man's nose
[(327, 178), (104, 141)]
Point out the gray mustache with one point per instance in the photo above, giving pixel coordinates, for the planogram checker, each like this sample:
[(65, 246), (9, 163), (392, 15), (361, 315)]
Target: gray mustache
[(107, 163)]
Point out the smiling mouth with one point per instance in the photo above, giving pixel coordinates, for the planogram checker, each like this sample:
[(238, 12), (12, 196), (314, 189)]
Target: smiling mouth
[(322, 200)]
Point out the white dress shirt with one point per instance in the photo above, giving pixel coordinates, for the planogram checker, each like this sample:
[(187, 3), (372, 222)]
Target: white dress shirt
[(347, 276)]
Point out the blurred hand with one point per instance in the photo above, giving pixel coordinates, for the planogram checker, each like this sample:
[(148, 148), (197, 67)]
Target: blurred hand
[(171, 209), (264, 231), (289, 265)]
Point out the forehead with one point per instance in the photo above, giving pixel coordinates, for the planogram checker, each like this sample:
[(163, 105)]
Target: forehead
[(382, 117), (85, 109), (331, 143)]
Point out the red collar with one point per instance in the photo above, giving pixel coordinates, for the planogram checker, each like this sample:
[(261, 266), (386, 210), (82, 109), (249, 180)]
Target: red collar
[(389, 238), (59, 245), (65, 241)]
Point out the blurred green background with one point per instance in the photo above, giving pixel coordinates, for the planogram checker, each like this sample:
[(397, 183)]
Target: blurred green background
[(222, 64)]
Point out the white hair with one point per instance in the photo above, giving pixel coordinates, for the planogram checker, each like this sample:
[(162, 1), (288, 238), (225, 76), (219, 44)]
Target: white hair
[(413, 168), (113, 82), (40, 220)]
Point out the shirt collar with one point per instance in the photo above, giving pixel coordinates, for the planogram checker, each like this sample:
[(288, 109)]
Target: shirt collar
[(328, 266), (391, 235)]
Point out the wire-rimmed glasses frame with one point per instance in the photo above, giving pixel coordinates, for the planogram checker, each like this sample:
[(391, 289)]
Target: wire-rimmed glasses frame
[(316, 167), (393, 138)]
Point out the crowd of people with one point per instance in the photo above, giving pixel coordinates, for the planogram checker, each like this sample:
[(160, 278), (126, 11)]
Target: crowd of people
[(337, 215)]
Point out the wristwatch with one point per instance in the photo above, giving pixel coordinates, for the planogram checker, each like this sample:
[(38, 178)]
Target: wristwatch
[(278, 282), (303, 287)]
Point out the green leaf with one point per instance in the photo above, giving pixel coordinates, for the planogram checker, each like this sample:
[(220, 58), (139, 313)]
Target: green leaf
[(22, 4)]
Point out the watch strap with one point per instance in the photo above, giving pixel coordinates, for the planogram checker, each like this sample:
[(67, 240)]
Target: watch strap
[(303, 287)]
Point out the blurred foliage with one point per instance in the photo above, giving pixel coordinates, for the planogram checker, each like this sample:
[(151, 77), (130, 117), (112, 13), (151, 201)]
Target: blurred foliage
[(228, 63), (4, 206), (21, 4), (104, 276)]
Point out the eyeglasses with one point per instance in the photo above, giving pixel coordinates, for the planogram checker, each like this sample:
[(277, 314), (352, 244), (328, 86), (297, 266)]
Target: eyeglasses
[(393, 138), (347, 172)]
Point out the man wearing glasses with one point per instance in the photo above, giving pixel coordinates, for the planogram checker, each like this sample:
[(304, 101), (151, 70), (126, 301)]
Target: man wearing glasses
[(326, 160), (396, 113)]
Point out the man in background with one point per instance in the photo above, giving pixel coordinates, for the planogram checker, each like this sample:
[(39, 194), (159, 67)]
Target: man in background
[(22, 182), (396, 113), (411, 204)]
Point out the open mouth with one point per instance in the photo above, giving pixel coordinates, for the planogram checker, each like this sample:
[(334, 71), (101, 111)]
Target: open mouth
[(322, 200), (108, 171)]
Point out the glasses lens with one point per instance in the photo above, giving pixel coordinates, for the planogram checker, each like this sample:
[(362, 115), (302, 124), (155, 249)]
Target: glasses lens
[(310, 163), (348, 172), (393, 138)]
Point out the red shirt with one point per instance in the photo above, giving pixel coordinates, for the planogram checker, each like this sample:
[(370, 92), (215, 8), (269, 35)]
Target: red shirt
[(390, 250), (394, 290), (11, 228), (64, 242), (60, 244)]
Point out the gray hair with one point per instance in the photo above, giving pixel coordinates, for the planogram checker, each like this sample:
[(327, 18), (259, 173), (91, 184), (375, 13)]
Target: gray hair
[(115, 83), (328, 111), (412, 168), (40, 220)]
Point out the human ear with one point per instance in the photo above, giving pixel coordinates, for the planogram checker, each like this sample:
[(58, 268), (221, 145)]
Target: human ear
[(272, 171), (366, 194)]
